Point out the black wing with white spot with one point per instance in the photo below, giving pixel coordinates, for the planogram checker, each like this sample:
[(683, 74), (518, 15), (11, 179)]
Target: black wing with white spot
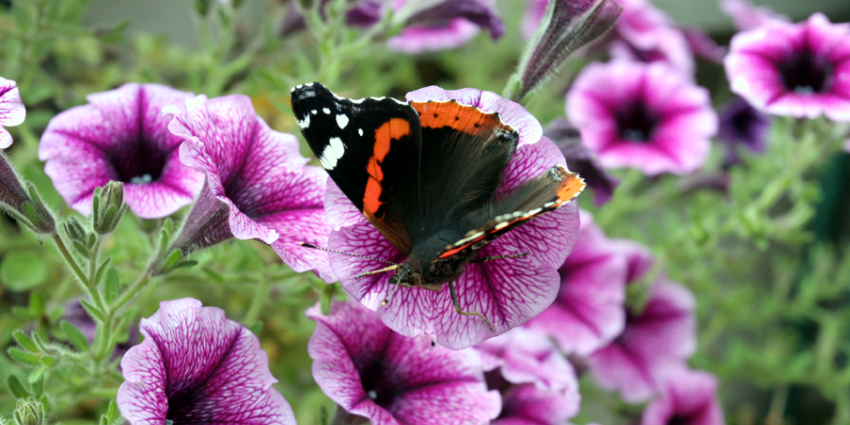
[(361, 142)]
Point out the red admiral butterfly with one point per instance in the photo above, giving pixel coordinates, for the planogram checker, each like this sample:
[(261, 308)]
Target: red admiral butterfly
[(424, 174)]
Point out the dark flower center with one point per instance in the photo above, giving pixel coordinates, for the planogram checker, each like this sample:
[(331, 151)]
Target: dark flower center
[(380, 384), (679, 419), (139, 162), (806, 73), (635, 123)]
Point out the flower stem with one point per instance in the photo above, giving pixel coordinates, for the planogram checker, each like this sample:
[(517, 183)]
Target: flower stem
[(131, 291)]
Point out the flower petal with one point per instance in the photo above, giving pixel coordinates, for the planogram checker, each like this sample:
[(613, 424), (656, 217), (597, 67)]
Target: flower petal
[(194, 363), (373, 372)]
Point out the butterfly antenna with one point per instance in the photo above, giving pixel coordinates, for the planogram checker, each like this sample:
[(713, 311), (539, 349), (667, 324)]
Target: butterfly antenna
[(385, 269), (311, 246), (466, 313), (387, 299)]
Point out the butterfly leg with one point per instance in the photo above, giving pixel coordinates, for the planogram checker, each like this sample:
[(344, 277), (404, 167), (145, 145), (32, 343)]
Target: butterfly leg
[(466, 313), (496, 257)]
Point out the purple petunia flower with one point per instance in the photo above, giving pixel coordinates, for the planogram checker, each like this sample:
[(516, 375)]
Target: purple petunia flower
[(799, 70), (582, 160), (373, 372), (538, 385), (688, 397), (644, 116), (742, 125), (702, 45), (655, 341), (257, 185), (747, 16), (12, 110), (444, 25), (364, 13), (646, 34), (508, 292), (120, 135), (196, 366), (588, 313)]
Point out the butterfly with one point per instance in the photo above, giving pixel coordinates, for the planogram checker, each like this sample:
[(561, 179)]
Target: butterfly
[(426, 174)]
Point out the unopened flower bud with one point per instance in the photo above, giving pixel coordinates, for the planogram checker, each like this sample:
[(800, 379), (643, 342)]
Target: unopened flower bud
[(108, 207), (566, 26), (29, 412), (21, 200)]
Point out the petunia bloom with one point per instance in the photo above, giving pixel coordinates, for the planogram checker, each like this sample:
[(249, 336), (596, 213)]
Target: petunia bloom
[(646, 34), (373, 372), (688, 397), (588, 312), (742, 125), (12, 110), (509, 292), (582, 160), (798, 70), (442, 25), (196, 366), (536, 382), (257, 184), (644, 116), (655, 341), (747, 16), (120, 135)]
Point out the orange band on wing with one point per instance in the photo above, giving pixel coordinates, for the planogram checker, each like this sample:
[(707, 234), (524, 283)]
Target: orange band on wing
[(467, 119), (394, 129)]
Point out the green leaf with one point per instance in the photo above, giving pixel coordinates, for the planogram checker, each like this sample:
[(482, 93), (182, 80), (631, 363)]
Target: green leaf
[(80, 248), (111, 412), (25, 356), (38, 387), (37, 374), (112, 285), (37, 304), (22, 270), (171, 260), (25, 341), (100, 270), (75, 336), (115, 34), (48, 361), (16, 387), (93, 311)]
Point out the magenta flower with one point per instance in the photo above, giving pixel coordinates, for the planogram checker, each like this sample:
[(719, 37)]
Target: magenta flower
[(373, 372), (196, 366), (444, 25), (688, 397), (655, 341), (508, 292), (747, 16), (257, 185), (588, 312), (742, 125), (120, 135), (538, 385), (644, 116), (12, 110), (798, 70), (582, 160), (646, 34)]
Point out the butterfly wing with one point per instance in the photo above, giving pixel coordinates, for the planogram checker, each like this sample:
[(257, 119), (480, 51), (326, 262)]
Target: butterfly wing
[(464, 153), (371, 148), (550, 190)]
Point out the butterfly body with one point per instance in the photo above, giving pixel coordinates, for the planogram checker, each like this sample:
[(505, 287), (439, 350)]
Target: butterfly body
[(427, 176)]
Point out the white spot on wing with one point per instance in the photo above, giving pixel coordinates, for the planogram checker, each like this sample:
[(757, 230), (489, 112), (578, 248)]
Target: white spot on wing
[(332, 153), (360, 131), (314, 112), (342, 120), (326, 111), (305, 122), (501, 225)]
